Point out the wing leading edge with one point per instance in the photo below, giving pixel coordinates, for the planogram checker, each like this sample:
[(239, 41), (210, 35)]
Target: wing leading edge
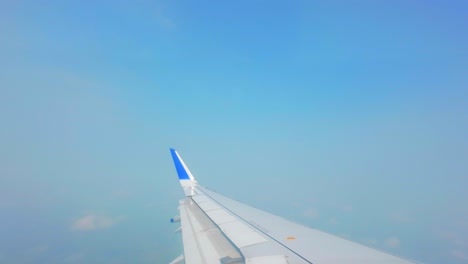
[(217, 229)]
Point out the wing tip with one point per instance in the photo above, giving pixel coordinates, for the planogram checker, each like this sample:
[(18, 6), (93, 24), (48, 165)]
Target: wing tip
[(182, 171)]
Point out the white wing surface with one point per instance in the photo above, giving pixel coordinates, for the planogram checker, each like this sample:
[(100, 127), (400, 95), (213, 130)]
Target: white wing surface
[(216, 229)]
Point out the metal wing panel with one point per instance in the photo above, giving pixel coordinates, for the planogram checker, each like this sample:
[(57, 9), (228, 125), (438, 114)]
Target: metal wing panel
[(206, 205), (267, 260), (220, 216), (239, 233), (311, 245)]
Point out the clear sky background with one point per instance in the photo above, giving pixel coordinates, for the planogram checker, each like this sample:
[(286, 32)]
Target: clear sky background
[(348, 116)]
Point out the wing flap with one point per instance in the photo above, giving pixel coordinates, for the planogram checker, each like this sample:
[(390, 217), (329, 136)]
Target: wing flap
[(221, 217), (207, 205), (237, 231), (241, 235), (267, 260), (203, 240), (190, 229)]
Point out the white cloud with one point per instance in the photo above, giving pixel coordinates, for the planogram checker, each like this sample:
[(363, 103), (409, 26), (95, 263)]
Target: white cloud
[(333, 221), (453, 238), (400, 217), (457, 241), (92, 222), (75, 258), (163, 20), (6, 204), (392, 242), (36, 252), (311, 213), (458, 254), (370, 241), (39, 249), (448, 235), (122, 194), (347, 208)]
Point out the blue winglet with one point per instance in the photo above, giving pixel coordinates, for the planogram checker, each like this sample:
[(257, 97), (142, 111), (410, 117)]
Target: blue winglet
[(182, 170)]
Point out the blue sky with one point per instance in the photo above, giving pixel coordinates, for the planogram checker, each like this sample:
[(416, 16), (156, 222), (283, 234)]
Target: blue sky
[(348, 116)]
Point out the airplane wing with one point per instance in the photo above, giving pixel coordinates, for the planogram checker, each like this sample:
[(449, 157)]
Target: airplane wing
[(216, 229)]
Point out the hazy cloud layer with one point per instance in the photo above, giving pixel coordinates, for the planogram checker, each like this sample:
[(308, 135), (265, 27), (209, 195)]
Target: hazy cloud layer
[(93, 222), (458, 254), (311, 213), (370, 241), (458, 243), (392, 242), (400, 217), (333, 221)]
